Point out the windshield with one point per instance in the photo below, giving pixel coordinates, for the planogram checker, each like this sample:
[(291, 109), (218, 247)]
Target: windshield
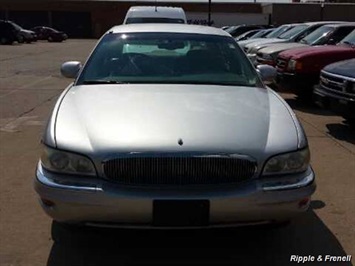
[(17, 27), (230, 29), (278, 31), (349, 39), (247, 34), (168, 58), (317, 36), (293, 32), (154, 20), (260, 33)]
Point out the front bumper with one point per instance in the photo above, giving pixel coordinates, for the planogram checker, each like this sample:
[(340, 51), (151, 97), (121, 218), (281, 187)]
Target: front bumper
[(98, 202), (296, 82), (340, 104)]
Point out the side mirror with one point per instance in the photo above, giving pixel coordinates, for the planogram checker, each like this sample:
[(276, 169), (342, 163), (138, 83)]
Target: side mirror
[(267, 73), (70, 69)]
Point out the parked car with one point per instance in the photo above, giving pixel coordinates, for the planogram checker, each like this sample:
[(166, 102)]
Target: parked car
[(155, 14), (253, 34), (50, 34), (8, 34), (191, 142), (23, 35), (337, 88), (247, 35), (295, 34), (225, 27), (235, 31), (325, 35), (274, 34), (298, 69)]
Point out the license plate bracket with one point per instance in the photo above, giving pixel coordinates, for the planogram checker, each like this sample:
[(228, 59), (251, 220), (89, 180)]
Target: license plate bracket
[(181, 213)]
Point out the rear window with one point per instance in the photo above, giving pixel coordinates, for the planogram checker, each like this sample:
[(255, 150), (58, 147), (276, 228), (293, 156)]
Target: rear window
[(293, 32)]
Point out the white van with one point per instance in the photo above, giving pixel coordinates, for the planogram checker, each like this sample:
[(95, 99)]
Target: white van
[(155, 14)]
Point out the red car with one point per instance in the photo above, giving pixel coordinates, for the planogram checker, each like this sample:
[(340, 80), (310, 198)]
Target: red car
[(52, 35), (298, 69)]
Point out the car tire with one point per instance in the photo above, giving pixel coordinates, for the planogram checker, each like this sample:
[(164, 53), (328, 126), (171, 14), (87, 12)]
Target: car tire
[(20, 39), (350, 121), (279, 224), (65, 232), (4, 40)]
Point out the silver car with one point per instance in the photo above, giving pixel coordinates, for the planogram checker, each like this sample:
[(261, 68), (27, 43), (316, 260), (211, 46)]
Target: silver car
[(170, 126)]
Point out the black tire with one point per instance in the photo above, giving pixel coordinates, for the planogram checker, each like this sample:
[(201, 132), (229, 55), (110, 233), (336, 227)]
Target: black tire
[(66, 233), (20, 39), (279, 224), (4, 40), (350, 121)]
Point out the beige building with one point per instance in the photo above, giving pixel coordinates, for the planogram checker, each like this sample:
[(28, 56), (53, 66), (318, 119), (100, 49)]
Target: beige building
[(92, 18)]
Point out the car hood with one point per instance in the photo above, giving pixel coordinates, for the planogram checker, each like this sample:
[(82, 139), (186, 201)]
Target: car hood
[(343, 68), (245, 42), (28, 31), (279, 47), (105, 120), (316, 51), (264, 42)]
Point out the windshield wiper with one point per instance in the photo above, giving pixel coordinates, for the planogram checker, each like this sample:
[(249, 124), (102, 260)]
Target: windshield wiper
[(103, 81)]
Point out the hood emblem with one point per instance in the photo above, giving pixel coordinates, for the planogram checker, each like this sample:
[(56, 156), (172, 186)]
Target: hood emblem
[(180, 142)]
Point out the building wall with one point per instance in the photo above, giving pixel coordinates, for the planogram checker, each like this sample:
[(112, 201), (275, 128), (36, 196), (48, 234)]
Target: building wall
[(104, 14), (93, 18), (288, 13)]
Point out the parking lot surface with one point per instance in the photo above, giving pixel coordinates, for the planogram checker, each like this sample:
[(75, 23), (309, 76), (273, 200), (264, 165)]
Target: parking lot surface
[(30, 83)]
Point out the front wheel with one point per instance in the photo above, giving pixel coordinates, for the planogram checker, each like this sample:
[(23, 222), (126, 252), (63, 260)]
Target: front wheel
[(20, 39), (65, 232), (4, 40)]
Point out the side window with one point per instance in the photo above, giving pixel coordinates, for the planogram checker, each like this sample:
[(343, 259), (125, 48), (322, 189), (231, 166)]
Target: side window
[(340, 34)]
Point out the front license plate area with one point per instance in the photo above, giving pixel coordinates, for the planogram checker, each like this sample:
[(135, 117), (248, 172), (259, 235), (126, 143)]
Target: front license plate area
[(181, 213)]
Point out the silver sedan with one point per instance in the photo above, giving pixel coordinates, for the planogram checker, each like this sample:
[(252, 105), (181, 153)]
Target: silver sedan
[(170, 126)]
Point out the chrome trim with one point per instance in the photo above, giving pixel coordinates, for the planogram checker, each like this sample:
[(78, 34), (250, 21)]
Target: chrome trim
[(338, 76), (44, 180), (336, 91), (148, 226), (274, 185), (324, 92)]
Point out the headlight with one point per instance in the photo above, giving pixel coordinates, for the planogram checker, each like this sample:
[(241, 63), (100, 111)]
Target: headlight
[(294, 162), (294, 65), (66, 163)]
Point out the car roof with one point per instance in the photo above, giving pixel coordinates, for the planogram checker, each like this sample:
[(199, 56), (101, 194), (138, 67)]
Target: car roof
[(323, 22), (155, 11), (342, 24), (168, 28)]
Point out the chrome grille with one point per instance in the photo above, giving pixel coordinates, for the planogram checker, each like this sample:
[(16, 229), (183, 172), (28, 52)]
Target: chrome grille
[(281, 64), (179, 170), (336, 83)]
